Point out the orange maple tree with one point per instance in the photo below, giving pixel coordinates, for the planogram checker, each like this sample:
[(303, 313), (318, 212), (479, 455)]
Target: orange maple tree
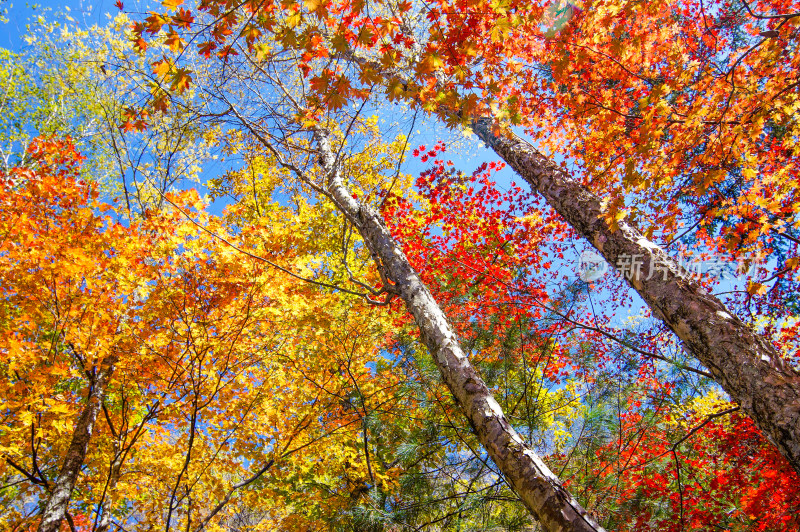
[(151, 345)]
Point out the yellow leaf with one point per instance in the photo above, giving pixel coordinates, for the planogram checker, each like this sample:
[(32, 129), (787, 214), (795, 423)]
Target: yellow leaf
[(262, 51), (500, 29), (316, 6), (162, 68), (181, 80), (293, 20), (756, 289), (175, 42), (26, 418)]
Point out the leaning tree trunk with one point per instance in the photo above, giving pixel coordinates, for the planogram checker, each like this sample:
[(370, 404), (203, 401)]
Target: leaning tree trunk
[(540, 490), (55, 509), (747, 366)]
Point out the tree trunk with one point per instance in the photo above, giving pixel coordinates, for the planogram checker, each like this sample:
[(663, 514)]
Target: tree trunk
[(104, 507), (540, 490), (55, 509), (747, 366)]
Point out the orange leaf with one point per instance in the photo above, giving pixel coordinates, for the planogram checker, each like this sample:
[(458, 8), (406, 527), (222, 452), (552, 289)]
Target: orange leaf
[(181, 80)]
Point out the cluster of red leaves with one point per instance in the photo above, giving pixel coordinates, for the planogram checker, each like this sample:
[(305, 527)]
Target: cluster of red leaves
[(720, 473), (477, 248), (486, 254)]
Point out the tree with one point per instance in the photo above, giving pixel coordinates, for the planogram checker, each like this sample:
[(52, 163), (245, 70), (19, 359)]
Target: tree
[(637, 450), (40, 351), (537, 486), (152, 346), (466, 53), (288, 361)]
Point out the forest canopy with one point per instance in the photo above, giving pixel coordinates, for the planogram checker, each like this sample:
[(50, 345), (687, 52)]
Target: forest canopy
[(396, 265)]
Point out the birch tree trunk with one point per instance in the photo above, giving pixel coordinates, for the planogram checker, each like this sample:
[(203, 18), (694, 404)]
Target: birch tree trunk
[(747, 366), (55, 509), (540, 490)]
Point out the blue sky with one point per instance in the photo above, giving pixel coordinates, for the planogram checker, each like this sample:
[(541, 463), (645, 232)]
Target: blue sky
[(19, 12), (467, 154)]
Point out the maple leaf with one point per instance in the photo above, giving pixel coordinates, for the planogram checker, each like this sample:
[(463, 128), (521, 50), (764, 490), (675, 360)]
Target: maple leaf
[(318, 7), (251, 33), (162, 68), (207, 48), (160, 102), (140, 44), (339, 42), (262, 51), (754, 288), (369, 76), (500, 29), (320, 82), (294, 19), (183, 19), (336, 100), (395, 89), (357, 6), (155, 22), (227, 51), (180, 80), (175, 42), (430, 63), (366, 37)]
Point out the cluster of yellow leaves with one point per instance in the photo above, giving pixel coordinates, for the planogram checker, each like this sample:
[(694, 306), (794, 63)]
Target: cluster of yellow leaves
[(225, 363), (686, 416)]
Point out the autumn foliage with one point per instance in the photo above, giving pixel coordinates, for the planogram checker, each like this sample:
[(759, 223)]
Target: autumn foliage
[(247, 363), (661, 464)]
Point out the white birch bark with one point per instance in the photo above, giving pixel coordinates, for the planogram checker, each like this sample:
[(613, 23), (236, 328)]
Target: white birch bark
[(540, 490), (747, 366)]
